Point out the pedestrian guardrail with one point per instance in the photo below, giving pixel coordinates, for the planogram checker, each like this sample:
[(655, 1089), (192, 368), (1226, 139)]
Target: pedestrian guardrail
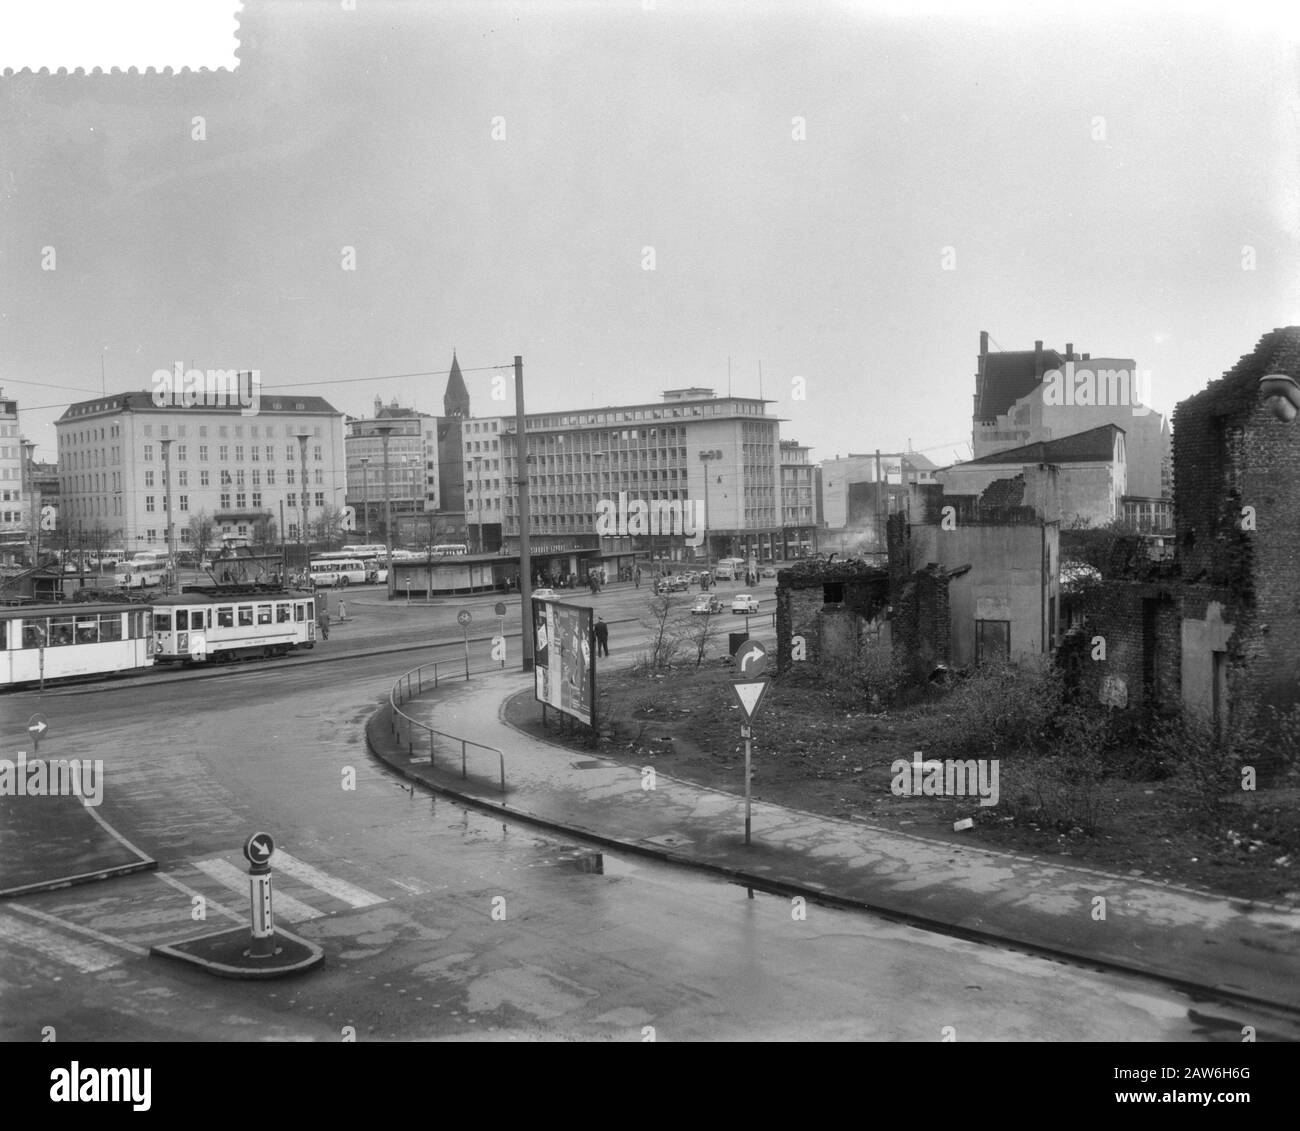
[(415, 682)]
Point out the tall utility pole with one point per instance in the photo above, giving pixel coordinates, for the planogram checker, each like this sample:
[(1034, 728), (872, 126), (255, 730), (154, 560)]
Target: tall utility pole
[(525, 559), (173, 587), (303, 437), (29, 497), (365, 496), (478, 500), (880, 531), (386, 430), (705, 458)]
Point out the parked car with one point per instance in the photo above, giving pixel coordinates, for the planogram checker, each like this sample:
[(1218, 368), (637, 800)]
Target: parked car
[(545, 595), (706, 604), (744, 603), (769, 571)]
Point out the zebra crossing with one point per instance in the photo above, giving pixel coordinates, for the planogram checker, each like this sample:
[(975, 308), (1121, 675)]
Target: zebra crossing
[(92, 930)]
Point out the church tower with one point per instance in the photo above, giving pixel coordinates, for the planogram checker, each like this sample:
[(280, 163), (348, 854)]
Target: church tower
[(455, 401)]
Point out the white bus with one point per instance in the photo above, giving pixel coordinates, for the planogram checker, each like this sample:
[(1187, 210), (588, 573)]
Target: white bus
[(372, 557), (335, 572), (728, 569)]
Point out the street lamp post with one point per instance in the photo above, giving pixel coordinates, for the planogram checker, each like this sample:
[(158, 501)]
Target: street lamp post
[(365, 496), (302, 438), (386, 430), (706, 458), (478, 500), (167, 502), (29, 494)]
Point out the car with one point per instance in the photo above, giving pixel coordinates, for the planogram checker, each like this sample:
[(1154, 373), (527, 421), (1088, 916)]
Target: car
[(769, 571), (706, 604), (679, 583), (545, 595), (744, 603)]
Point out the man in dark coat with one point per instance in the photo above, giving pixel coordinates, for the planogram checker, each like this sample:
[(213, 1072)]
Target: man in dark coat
[(602, 637)]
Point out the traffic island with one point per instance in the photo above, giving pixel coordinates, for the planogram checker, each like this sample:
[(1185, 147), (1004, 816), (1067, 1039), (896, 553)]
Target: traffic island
[(228, 954)]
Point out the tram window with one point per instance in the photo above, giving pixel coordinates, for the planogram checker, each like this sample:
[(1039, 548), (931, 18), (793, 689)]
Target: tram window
[(162, 622), (33, 634), (88, 631), (110, 626), (182, 620), (283, 613), (61, 631), (4, 635), (225, 617), (300, 612), (245, 615), (263, 614)]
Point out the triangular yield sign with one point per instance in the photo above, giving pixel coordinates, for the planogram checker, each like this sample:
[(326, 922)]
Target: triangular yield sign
[(750, 695)]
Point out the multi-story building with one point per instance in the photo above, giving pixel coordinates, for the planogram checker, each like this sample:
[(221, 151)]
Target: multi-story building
[(858, 492), (14, 517), (1025, 397), (484, 480), (798, 501), (692, 476), (241, 470), (412, 489)]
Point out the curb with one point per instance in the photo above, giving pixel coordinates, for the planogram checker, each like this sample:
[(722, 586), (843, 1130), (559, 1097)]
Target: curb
[(82, 878), (820, 895)]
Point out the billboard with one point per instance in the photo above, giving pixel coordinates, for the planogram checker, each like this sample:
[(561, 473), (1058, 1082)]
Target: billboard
[(565, 677)]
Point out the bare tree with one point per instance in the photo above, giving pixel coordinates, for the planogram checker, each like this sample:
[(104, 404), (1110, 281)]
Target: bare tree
[(700, 633), (201, 529), (666, 635), (266, 533), (327, 528)]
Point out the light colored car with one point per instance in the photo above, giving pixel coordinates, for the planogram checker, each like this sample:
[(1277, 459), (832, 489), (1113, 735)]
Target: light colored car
[(769, 571), (545, 595), (706, 604), (744, 603)]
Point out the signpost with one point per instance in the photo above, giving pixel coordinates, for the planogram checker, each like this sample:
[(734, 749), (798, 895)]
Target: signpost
[(751, 663), (463, 618), (257, 851), (500, 610), (37, 725)]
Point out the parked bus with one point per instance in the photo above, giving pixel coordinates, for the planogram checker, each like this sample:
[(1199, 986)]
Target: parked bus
[(335, 572), (728, 569)]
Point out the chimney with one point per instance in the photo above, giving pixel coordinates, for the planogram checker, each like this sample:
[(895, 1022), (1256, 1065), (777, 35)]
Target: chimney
[(1069, 351), (984, 343), (379, 405), (1038, 358)]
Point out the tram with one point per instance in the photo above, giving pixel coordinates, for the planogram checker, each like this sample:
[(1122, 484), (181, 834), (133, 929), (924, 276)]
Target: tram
[(224, 625), (53, 642)]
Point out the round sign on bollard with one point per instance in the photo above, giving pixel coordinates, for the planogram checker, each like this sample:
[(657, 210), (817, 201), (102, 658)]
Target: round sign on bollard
[(500, 608), (258, 849), (463, 617)]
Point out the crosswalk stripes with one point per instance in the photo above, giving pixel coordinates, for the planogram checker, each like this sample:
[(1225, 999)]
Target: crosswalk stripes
[(85, 957), (281, 861), (230, 877)]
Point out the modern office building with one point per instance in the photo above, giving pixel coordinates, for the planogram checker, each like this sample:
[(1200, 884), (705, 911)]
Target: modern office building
[(243, 471), (14, 515), (798, 501), (412, 490), (691, 477)]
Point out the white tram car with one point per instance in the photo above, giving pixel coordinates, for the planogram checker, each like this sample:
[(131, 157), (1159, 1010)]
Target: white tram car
[(52, 642), (198, 628)]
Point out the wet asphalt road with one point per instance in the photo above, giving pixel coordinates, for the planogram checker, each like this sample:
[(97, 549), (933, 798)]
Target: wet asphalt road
[(442, 923)]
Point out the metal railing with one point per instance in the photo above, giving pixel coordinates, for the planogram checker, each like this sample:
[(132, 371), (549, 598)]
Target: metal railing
[(397, 717)]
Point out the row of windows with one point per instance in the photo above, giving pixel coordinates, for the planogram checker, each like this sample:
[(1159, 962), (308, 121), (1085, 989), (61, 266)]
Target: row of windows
[(228, 616), (665, 412), (255, 431), (73, 628), (291, 453)]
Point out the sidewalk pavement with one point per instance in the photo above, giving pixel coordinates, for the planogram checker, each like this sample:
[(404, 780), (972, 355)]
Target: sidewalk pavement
[(1241, 950)]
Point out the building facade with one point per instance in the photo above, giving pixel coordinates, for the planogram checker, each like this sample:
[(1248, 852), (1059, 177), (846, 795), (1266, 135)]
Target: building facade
[(798, 501), (243, 472), (860, 491), (412, 487), (704, 469), (15, 518)]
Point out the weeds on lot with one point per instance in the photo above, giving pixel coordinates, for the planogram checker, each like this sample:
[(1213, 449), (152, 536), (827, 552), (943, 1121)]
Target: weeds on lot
[(665, 639), (997, 710)]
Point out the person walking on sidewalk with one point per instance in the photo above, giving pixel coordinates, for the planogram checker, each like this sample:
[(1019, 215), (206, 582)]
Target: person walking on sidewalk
[(637, 577), (343, 610), (324, 619), (602, 637)]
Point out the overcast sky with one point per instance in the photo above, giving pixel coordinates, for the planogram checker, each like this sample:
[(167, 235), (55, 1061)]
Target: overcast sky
[(1098, 177)]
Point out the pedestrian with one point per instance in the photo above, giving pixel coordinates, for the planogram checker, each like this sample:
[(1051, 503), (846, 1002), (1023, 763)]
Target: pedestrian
[(343, 611), (637, 577), (324, 620), (602, 637)]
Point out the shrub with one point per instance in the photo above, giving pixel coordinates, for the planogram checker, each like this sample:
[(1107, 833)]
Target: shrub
[(997, 710)]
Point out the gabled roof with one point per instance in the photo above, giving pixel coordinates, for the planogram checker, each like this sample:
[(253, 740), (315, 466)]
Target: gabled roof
[(1007, 377), (1096, 444)]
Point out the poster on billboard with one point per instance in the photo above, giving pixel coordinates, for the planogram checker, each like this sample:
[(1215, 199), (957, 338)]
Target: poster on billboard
[(562, 661)]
